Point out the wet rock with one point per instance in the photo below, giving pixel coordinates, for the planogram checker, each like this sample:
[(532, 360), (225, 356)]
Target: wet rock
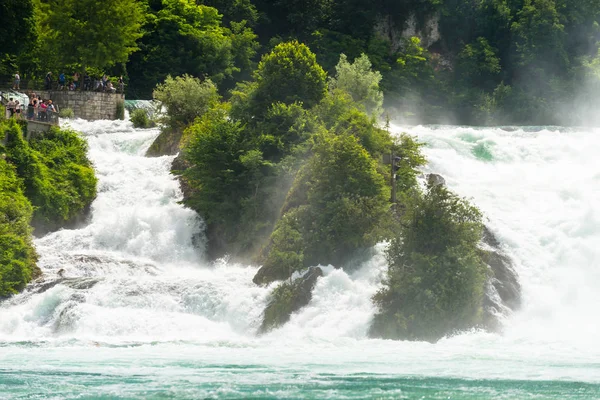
[(503, 290), (435, 180), (288, 298)]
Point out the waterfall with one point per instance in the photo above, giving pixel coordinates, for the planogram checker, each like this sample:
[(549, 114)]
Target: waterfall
[(129, 308)]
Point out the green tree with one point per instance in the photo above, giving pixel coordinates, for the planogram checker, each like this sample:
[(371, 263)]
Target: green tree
[(185, 99), (183, 37), (288, 74), (478, 64), (89, 33), (436, 277), (17, 26), (539, 36), (360, 81)]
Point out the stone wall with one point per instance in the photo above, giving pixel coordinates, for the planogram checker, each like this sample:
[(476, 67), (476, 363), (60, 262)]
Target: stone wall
[(86, 105)]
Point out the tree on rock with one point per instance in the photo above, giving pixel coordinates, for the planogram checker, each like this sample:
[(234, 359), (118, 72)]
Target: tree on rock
[(436, 277), (289, 74)]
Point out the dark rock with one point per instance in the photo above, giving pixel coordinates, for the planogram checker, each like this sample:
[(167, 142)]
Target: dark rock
[(503, 290), (435, 180), (167, 143), (288, 298), (269, 274)]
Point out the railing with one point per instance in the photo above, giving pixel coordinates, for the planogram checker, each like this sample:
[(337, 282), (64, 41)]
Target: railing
[(87, 85)]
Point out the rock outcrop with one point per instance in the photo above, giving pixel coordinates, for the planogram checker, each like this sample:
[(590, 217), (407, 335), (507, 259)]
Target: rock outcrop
[(289, 297), (503, 290)]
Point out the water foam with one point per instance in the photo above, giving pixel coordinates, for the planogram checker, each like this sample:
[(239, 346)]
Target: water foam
[(136, 279)]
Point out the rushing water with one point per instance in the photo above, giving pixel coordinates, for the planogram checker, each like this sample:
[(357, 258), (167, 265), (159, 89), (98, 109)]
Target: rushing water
[(139, 314)]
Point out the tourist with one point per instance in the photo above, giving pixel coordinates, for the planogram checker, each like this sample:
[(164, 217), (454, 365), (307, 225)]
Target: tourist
[(87, 82), (51, 111), (48, 81), (61, 81), (110, 88), (43, 111), (76, 80), (31, 109), (10, 106), (17, 83), (17, 110), (104, 81), (121, 84), (71, 86)]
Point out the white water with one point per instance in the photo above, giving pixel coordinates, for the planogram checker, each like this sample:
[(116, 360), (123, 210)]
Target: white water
[(540, 192)]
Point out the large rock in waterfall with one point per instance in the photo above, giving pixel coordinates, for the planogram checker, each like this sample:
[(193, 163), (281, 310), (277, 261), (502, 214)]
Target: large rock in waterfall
[(289, 297)]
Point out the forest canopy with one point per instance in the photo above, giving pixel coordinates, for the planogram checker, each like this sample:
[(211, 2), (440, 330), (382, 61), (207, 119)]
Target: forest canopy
[(473, 62)]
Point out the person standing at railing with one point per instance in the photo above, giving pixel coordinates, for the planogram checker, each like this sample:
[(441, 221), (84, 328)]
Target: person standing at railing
[(76, 80), (51, 112), (17, 83), (10, 106), (17, 110), (61, 81), (43, 112), (30, 109), (48, 80)]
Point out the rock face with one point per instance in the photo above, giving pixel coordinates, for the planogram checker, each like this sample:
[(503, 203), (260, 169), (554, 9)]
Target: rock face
[(503, 290), (435, 180), (166, 144), (288, 298), (427, 30)]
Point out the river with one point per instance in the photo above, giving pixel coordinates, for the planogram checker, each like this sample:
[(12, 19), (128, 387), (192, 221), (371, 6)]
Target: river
[(140, 314)]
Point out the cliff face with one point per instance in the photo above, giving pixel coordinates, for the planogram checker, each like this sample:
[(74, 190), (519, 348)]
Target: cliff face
[(426, 29)]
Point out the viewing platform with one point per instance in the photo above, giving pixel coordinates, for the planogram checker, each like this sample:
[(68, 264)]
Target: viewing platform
[(90, 105)]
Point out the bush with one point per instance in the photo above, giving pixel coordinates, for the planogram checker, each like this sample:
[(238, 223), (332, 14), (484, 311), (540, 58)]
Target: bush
[(334, 210), (57, 176), (361, 82), (17, 255), (120, 113), (139, 119), (288, 74), (436, 277), (67, 113), (185, 98)]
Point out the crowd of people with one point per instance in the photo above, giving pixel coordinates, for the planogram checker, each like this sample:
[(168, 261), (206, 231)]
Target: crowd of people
[(37, 109), (88, 83)]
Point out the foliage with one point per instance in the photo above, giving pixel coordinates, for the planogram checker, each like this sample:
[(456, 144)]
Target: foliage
[(335, 209), (185, 98), (411, 159), (120, 112), (67, 113), (479, 64), (360, 81), (183, 37), (17, 255), (436, 278), (139, 118), (288, 74), (88, 33), (17, 25), (58, 179)]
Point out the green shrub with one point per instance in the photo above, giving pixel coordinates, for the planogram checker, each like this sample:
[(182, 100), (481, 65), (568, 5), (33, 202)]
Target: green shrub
[(57, 176), (185, 98), (67, 113), (139, 118), (120, 113), (360, 82), (436, 277), (17, 255)]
